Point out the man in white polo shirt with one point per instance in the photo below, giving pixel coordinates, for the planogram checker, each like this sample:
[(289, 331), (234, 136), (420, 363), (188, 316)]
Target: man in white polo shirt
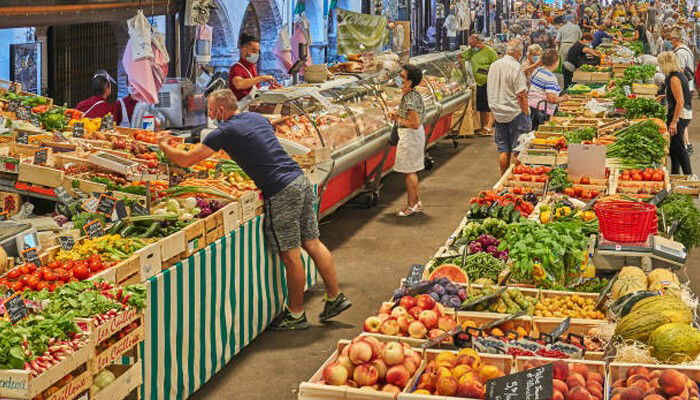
[(507, 94)]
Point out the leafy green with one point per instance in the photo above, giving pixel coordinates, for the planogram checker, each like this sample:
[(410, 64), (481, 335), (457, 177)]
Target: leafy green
[(579, 135), (639, 146), (559, 178), (682, 208), (642, 73), (641, 107), (81, 219), (54, 119)]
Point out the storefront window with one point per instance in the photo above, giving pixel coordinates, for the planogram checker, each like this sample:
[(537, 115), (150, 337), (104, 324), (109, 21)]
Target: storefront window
[(27, 59)]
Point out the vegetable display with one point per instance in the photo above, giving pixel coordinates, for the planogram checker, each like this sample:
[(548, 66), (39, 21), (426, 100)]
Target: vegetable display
[(559, 178), (682, 208), (510, 301), (639, 146), (641, 107), (580, 135), (642, 73)]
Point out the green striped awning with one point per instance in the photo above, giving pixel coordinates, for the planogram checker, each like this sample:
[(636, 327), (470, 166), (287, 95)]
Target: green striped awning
[(205, 309)]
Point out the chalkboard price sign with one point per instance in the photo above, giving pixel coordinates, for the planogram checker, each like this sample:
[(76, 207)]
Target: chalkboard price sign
[(15, 308), (14, 105), (78, 129), (66, 242), (22, 137), (41, 156), (415, 273), (105, 205), (24, 113), (138, 209), (63, 195), (107, 123), (31, 255), (532, 384), (94, 229)]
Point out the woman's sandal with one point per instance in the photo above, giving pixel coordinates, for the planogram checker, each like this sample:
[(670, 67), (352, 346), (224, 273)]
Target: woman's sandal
[(408, 211)]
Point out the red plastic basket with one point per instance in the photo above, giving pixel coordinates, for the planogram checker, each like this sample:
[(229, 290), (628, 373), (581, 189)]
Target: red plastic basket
[(626, 221)]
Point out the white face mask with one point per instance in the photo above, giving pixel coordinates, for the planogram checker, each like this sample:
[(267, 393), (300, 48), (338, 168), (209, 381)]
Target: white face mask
[(252, 58)]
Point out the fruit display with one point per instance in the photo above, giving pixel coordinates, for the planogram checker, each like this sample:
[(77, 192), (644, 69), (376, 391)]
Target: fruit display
[(460, 374), (572, 380), (369, 364), (419, 317), (442, 290), (509, 301), (57, 273), (561, 306), (488, 198), (650, 313), (648, 382)]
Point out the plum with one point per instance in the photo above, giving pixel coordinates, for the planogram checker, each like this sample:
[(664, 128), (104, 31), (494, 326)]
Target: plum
[(399, 293), (439, 289), (462, 294), (451, 288), (435, 296), (454, 302), (445, 299)]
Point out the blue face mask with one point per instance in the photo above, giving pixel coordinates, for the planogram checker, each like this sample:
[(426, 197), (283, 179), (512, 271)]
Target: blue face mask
[(399, 81), (535, 58), (668, 46)]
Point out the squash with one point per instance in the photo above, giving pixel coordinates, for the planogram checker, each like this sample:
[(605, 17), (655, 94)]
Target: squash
[(629, 280), (675, 343), (649, 314)]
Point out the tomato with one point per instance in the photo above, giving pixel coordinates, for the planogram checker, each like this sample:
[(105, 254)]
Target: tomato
[(31, 267), (16, 286), (539, 171), (14, 273), (69, 265), (25, 278), (61, 274), (52, 287), (95, 257), (72, 279), (658, 176), (517, 190), (578, 191), (647, 175), (540, 178), (585, 180), (33, 281), (49, 275), (569, 191), (526, 178), (24, 270), (41, 286), (54, 264), (96, 266), (81, 272), (586, 194), (594, 193), (637, 176)]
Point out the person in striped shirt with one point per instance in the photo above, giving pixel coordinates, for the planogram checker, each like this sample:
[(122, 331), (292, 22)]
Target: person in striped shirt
[(543, 95)]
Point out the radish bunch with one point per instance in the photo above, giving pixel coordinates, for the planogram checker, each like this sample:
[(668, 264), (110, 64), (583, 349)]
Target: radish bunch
[(57, 351)]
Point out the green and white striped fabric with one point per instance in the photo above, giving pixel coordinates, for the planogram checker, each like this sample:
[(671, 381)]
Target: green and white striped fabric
[(205, 309)]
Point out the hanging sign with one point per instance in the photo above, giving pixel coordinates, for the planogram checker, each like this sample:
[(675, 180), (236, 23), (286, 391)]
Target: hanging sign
[(360, 33)]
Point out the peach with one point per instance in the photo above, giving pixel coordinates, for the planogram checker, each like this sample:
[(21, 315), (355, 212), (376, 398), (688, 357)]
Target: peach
[(637, 370), (407, 302), (335, 374), (377, 346), (389, 327), (393, 353), (365, 375), (415, 312), (383, 317), (404, 321), (632, 393), (672, 382), (439, 309), (381, 367), (619, 383), (446, 323), (345, 362), (594, 384), (435, 333), (425, 302), (399, 311), (446, 386), (654, 374), (595, 392), (487, 372), (557, 395), (644, 385), (391, 389), (469, 360), (385, 308), (428, 318), (411, 366), (410, 353), (578, 393), (560, 385), (635, 378), (615, 397), (595, 376), (580, 369), (417, 330), (560, 370), (372, 324), (360, 352), (469, 376), (398, 375), (575, 380), (471, 389), (654, 397), (460, 370), (422, 391)]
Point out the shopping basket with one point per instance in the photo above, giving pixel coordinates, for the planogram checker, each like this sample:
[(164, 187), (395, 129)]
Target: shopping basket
[(626, 221)]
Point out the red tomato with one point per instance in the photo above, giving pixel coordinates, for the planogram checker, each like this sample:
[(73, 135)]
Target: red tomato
[(33, 281), (96, 266), (31, 266), (72, 279), (14, 273), (24, 270), (52, 287), (95, 257), (54, 264), (526, 178), (540, 178), (539, 171), (569, 191), (16, 286), (578, 191), (61, 274), (585, 194), (517, 190), (647, 175), (81, 272), (25, 279), (49, 275), (636, 176), (585, 180), (658, 176), (41, 286)]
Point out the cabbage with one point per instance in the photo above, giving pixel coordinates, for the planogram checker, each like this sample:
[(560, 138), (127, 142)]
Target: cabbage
[(190, 203), (104, 378)]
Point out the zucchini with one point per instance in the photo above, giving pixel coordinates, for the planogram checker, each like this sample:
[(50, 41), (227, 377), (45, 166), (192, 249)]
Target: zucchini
[(151, 218), (116, 228), (152, 229), (128, 230)]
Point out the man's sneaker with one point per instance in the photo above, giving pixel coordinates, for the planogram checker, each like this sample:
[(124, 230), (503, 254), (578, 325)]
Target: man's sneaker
[(690, 149), (286, 322), (334, 307)]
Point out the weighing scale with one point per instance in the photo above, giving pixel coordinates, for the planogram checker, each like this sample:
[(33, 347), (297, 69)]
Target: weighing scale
[(15, 237), (654, 248)]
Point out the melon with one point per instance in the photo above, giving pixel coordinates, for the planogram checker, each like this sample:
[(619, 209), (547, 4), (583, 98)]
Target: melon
[(450, 271), (675, 343)]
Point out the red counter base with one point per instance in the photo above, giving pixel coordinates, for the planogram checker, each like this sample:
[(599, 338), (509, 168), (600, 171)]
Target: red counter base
[(346, 185)]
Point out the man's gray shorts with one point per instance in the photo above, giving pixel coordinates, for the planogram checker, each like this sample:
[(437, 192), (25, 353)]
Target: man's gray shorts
[(290, 218)]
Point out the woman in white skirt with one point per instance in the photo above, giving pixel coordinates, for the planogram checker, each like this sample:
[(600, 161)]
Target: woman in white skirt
[(410, 151)]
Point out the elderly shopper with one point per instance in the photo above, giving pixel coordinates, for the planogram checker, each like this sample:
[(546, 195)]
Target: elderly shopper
[(543, 96), (567, 35), (507, 95), (481, 56), (532, 61), (679, 113), (410, 151)]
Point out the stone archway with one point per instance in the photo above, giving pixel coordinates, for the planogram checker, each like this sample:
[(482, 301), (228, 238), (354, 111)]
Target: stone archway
[(223, 49), (270, 22)]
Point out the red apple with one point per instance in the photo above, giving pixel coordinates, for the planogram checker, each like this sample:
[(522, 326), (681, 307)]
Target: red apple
[(428, 318), (407, 302), (372, 324), (360, 352), (439, 309), (335, 374), (410, 365), (415, 311), (417, 330), (446, 323), (365, 375), (381, 367), (383, 317), (404, 321), (398, 311), (425, 301), (377, 346), (390, 327), (385, 308), (398, 375), (393, 353), (345, 362), (410, 353)]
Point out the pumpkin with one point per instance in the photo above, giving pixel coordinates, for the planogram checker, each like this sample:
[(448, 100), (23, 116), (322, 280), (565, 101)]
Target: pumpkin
[(675, 343), (649, 314)]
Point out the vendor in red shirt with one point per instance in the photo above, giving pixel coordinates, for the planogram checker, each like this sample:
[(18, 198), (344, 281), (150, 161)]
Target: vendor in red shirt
[(125, 111), (243, 75), (97, 106)]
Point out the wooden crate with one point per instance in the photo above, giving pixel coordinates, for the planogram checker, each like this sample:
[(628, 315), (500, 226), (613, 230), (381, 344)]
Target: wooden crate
[(73, 388), (127, 269), (581, 76), (681, 184), (40, 175), (249, 201), (601, 76), (129, 377), (20, 384), (195, 239), (593, 366), (618, 370), (149, 260), (231, 216), (578, 327), (101, 332), (100, 360), (214, 234), (173, 246)]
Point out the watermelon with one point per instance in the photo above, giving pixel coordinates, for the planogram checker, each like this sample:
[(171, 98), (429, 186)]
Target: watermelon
[(450, 271)]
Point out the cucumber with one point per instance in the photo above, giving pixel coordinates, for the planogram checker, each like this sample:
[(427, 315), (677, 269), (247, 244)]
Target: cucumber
[(493, 213), (116, 227), (474, 210)]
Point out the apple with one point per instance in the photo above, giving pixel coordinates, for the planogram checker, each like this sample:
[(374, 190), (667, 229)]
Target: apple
[(417, 330), (365, 375), (425, 301), (381, 367), (345, 362), (446, 323), (383, 317), (447, 386), (390, 327), (393, 353), (404, 321), (435, 333), (410, 353), (398, 311), (398, 375), (415, 311), (471, 389), (410, 365), (385, 308), (428, 318), (391, 389), (360, 352), (407, 302), (377, 346), (335, 374), (439, 309), (372, 324)]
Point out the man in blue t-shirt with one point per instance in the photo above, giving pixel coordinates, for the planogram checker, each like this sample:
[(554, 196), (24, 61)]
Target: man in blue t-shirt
[(290, 220)]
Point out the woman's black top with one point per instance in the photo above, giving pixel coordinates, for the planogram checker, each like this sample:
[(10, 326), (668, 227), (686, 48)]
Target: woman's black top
[(671, 99)]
